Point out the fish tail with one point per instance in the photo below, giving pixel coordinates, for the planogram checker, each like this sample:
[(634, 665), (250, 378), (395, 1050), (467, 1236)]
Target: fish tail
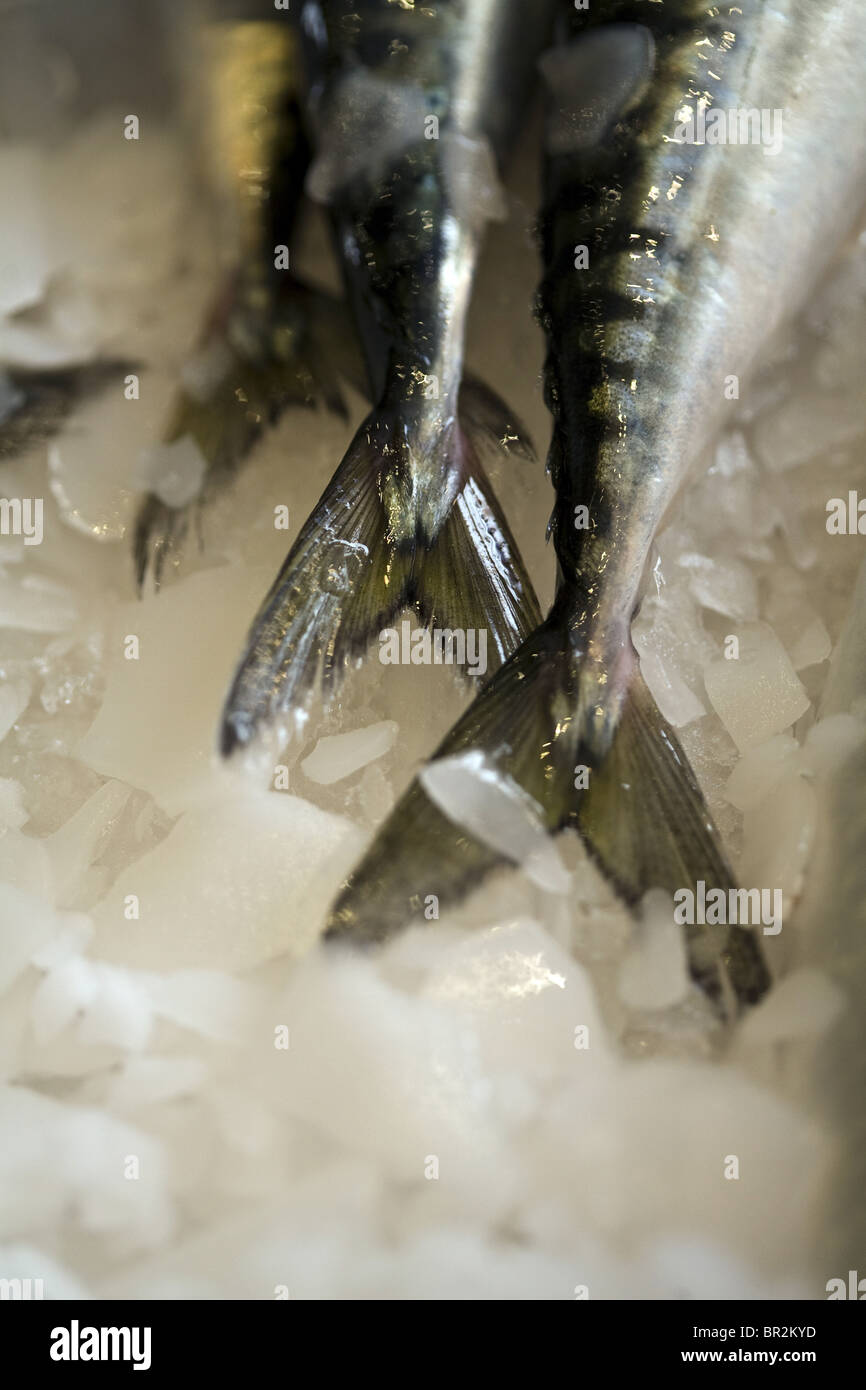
[(489, 421), (36, 402), (255, 368), (589, 753), (374, 546)]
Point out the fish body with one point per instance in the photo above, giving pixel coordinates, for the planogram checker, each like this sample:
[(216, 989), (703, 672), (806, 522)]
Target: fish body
[(256, 148), (418, 104), (268, 340), (418, 111), (698, 252), (667, 263), (34, 404)]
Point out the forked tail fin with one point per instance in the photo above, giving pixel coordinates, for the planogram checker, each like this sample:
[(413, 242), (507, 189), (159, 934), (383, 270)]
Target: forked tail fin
[(35, 402), (369, 550), (639, 811), (293, 357)]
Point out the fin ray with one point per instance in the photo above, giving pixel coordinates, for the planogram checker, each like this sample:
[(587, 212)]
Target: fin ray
[(295, 364), (347, 577), (642, 817)]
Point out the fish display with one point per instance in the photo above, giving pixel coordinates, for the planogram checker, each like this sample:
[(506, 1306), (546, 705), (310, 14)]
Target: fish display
[(669, 258), (451, 887), (270, 341), (415, 109)]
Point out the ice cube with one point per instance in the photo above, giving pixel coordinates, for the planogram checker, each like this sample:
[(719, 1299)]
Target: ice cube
[(238, 880), (144, 1081), (67, 1170), (118, 212), (209, 1002), (202, 373), (377, 796), (673, 647), (75, 846), (25, 864), (27, 923), (678, 704), (793, 516), (808, 426), (812, 646), (25, 263), (71, 940), (723, 585), (34, 603), (174, 472), (794, 619), (93, 460), (471, 177), (757, 694), (120, 1014), (12, 812), (62, 996), (111, 1006), (778, 835), (844, 290), (653, 974), (760, 769), (366, 124), (804, 1004), (339, 756), (393, 1077), (831, 742), (189, 636), (526, 997), (14, 699), (474, 794), (836, 313), (734, 499), (41, 347), (651, 1153)]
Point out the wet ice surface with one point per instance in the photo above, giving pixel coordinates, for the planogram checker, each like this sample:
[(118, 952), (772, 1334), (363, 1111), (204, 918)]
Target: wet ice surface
[(515, 1102), (498, 813)]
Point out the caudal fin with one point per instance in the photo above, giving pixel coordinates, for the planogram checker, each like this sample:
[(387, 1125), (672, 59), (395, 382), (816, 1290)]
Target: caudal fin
[(640, 811), (372, 547), (35, 403), (250, 376)]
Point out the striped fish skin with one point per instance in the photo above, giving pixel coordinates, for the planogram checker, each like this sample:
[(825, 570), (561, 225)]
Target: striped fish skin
[(697, 254), (667, 263), (452, 79), (270, 340), (415, 107)]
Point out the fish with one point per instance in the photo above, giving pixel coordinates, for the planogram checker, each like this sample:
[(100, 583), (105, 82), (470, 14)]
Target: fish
[(417, 107), (35, 402), (667, 264), (269, 340)]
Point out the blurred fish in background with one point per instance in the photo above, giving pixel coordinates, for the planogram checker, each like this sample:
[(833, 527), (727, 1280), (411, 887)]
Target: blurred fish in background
[(271, 341), (47, 47)]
